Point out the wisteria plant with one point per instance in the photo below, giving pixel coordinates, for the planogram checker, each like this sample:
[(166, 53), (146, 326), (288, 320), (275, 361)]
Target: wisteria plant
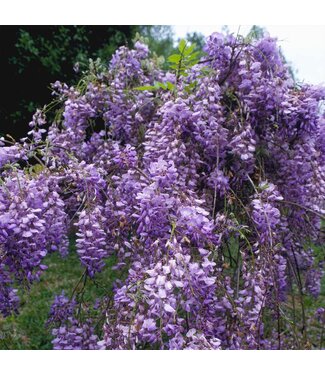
[(205, 184)]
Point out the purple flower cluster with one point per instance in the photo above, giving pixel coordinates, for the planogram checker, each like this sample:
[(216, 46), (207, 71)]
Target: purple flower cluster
[(92, 240), (32, 222), (9, 154), (70, 333), (209, 196)]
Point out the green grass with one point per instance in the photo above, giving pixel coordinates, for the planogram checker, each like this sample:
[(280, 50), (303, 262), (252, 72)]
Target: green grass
[(27, 330)]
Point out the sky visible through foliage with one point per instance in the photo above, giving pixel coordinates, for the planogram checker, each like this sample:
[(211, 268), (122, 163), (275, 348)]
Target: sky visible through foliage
[(303, 46)]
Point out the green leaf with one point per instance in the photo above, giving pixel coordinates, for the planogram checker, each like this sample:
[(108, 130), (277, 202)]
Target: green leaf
[(192, 63), (170, 86), (157, 85), (189, 49), (145, 88), (194, 56), (193, 84), (174, 58), (161, 85), (182, 45)]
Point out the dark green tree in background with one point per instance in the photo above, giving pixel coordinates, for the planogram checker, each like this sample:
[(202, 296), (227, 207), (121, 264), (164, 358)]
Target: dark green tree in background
[(34, 56)]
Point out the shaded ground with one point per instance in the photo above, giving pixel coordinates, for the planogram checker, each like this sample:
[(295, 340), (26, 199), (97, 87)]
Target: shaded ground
[(27, 330)]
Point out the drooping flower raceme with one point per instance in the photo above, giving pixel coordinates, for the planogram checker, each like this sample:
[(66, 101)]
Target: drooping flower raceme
[(203, 188)]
